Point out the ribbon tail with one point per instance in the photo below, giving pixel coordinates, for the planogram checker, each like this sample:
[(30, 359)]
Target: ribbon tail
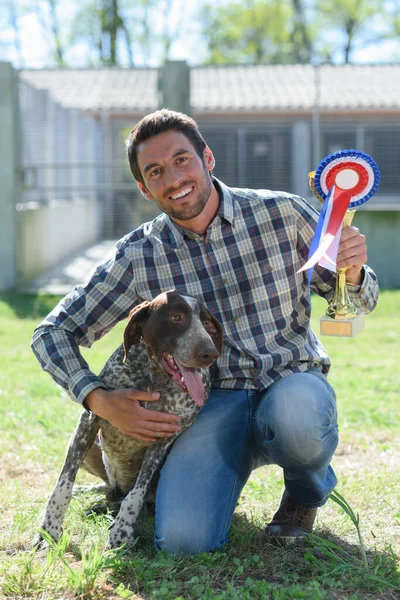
[(328, 261), (320, 230), (339, 201)]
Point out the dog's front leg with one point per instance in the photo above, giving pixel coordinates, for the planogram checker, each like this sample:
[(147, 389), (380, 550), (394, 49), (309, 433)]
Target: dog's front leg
[(122, 530), (82, 439)]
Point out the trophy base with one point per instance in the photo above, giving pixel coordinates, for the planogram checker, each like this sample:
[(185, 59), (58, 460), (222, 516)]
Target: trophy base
[(342, 327)]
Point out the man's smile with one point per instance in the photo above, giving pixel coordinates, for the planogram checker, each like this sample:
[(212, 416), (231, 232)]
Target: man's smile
[(184, 192)]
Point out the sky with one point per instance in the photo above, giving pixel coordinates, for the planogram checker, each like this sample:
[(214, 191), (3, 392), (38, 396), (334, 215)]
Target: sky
[(187, 47)]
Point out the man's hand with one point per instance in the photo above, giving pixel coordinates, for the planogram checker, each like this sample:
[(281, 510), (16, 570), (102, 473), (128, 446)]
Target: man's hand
[(122, 409), (352, 253)]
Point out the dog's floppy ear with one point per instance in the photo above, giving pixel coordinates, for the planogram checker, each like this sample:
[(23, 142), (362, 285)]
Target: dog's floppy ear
[(218, 337), (133, 329), (213, 328)]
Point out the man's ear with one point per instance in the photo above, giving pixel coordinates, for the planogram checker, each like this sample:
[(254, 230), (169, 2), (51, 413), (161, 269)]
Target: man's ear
[(144, 191), (209, 159)]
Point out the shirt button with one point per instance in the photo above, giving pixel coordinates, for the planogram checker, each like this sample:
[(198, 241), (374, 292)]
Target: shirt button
[(235, 319), (223, 281)]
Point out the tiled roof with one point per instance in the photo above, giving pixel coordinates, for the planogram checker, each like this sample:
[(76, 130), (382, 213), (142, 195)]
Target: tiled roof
[(228, 88), (125, 90)]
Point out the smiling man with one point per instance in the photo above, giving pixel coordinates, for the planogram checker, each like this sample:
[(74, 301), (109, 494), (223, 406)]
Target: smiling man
[(239, 251)]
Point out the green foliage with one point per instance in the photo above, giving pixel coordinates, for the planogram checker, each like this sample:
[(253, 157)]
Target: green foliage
[(292, 31), (350, 18), (119, 32), (252, 33)]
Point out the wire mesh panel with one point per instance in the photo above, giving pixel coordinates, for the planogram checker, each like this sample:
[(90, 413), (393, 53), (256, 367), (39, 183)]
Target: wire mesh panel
[(223, 143), (383, 143), (253, 157), (267, 158), (380, 139)]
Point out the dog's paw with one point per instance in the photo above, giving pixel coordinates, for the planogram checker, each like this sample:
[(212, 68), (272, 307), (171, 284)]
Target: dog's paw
[(45, 537), (38, 543), (121, 534)]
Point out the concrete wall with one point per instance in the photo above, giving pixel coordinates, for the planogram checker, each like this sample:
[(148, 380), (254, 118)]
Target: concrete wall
[(50, 232), (58, 209), (382, 230), (9, 160)]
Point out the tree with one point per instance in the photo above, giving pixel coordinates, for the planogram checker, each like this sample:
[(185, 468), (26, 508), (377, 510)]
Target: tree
[(13, 18), (99, 24), (351, 18), (249, 32), (46, 12), (302, 34), (115, 29)]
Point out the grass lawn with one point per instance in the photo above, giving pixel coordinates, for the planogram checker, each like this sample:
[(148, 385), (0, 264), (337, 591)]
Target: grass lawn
[(36, 420)]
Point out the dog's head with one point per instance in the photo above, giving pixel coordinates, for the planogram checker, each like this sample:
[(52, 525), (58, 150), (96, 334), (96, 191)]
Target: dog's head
[(180, 333)]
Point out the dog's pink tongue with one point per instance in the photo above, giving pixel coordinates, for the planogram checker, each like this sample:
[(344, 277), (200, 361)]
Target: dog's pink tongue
[(193, 383)]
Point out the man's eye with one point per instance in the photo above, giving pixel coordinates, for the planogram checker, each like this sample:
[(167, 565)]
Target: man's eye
[(176, 318), (154, 172), (181, 159)]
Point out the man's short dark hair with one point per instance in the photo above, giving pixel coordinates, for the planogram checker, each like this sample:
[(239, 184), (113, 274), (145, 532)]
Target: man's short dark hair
[(159, 122)]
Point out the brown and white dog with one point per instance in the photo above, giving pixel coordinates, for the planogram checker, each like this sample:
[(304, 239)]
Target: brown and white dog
[(169, 345)]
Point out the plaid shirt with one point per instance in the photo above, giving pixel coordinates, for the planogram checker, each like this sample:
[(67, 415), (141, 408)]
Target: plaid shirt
[(244, 269)]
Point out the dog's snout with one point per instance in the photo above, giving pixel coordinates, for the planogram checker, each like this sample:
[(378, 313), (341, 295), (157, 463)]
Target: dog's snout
[(207, 352)]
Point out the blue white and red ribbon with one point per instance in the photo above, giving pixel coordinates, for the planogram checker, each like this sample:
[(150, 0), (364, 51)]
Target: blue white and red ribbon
[(365, 172)]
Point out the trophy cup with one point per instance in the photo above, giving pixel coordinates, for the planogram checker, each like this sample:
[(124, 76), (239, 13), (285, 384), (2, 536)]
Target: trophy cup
[(342, 181)]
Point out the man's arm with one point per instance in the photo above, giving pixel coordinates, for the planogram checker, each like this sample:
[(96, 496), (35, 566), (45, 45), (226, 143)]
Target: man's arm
[(86, 314), (81, 318)]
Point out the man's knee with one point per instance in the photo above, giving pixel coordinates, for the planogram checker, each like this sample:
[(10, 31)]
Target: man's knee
[(297, 421), (176, 538)]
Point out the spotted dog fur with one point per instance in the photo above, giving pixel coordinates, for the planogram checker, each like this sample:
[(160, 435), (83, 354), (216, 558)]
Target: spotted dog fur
[(171, 325)]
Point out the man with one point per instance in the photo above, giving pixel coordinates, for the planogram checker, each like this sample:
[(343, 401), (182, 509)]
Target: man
[(239, 251)]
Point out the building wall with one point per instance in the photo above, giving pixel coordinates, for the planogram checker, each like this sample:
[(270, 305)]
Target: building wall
[(382, 230), (50, 232), (58, 209), (9, 146)]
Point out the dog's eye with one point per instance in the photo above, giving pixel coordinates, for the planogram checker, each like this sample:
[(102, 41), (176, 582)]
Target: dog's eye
[(176, 318)]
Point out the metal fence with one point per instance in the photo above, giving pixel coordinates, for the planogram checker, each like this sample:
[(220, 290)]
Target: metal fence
[(67, 155)]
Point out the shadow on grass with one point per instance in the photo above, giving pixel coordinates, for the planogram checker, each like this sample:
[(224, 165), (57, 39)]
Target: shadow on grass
[(29, 306), (252, 566)]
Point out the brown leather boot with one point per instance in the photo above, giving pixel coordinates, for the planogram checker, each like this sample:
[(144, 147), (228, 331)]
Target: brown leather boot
[(291, 522)]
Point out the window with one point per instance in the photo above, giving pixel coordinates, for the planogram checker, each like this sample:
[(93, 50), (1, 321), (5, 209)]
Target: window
[(267, 159), (333, 141), (384, 146), (222, 142)]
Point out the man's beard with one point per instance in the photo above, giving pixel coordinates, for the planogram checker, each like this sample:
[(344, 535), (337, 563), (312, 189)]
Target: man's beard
[(190, 212)]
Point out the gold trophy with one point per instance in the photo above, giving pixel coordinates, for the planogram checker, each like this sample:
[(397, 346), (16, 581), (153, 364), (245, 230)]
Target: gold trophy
[(344, 180), (342, 317)]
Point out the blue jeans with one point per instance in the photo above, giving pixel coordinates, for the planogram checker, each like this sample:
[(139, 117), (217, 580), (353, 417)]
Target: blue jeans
[(292, 424)]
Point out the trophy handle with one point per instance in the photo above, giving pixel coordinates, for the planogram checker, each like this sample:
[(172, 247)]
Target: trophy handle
[(341, 307)]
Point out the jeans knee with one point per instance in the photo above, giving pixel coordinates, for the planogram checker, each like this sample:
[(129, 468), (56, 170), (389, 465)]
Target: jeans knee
[(310, 450), (298, 422), (188, 541)]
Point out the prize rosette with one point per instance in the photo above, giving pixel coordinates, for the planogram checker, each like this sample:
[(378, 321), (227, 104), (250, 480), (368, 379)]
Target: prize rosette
[(342, 180)]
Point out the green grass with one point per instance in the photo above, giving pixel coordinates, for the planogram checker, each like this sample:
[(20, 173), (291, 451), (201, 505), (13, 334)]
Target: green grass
[(36, 420)]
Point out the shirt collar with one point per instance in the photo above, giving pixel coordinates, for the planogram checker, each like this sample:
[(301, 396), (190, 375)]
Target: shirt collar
[(226, 211)]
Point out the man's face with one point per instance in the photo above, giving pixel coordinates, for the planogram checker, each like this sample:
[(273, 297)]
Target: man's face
[(175, 176)]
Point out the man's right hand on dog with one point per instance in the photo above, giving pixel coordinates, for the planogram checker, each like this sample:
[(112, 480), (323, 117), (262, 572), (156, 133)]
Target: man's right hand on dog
[(123, 410)]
